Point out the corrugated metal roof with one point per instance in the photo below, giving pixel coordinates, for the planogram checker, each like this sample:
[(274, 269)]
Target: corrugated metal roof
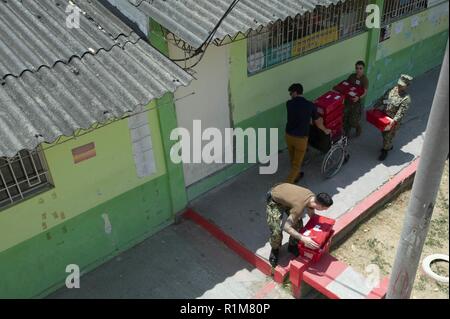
[(44, 105), (55, 80), (192, 21), (34, 33)]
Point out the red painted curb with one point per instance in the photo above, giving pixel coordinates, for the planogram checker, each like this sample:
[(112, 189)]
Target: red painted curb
[(375, 197), (280, 274), (381, 291), (234, 245), (315, 275), (341, 223)]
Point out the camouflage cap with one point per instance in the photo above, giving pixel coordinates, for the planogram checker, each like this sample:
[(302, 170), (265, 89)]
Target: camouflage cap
[(404, 80)]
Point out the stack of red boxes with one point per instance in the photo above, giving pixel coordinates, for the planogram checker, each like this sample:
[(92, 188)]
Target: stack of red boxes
[(320, 230), (349, 90), (330, 106), (378, 118)]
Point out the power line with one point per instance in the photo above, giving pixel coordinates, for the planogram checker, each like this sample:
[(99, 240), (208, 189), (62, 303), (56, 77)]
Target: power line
[(200, 50)]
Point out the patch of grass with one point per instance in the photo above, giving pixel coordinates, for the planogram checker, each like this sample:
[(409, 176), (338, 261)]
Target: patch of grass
[(443, 287), (421, 283), (372, 243), (381, 262)]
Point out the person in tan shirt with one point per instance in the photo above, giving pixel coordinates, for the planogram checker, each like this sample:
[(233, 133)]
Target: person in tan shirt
[(295, 201)]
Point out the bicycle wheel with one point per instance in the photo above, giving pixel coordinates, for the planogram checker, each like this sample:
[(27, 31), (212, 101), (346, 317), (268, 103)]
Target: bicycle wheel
[(333, 161)]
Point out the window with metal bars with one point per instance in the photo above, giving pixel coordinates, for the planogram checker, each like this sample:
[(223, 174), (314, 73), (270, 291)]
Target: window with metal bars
[(22, 176), (298, 36), (394, 10)]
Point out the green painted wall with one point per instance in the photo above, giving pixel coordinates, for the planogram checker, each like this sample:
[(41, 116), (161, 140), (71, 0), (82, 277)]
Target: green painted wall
[(252, 95), (413, 50), (43, 234), (168, 122), (80, 187), (36, 267)]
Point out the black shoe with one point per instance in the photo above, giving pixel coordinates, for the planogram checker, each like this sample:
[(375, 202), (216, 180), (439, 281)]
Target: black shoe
[(293, 249), (358, 131), (346, 158), (383, 155), (273, 259), (392, 147)]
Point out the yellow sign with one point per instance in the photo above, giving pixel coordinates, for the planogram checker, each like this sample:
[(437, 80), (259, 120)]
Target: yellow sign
[(314, 40)]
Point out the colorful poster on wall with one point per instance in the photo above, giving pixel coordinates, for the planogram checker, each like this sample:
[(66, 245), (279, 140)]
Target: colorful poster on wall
[(278, 54), (314, 40)]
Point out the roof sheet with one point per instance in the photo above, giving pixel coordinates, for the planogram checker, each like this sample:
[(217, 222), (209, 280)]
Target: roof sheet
[(193, 21), (55, 80)]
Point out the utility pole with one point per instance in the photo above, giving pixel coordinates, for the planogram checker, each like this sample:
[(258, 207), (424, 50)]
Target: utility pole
[(424, 191)]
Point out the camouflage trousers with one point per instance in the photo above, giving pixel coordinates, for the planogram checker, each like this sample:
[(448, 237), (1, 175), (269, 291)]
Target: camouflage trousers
[(352, 115), (388, 137), (275, 221)]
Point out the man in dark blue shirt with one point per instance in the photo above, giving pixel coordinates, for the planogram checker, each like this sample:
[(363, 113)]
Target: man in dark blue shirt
[(301, 113)]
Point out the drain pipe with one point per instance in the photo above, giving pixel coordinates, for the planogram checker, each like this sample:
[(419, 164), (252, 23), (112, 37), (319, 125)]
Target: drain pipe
[(424, 191)]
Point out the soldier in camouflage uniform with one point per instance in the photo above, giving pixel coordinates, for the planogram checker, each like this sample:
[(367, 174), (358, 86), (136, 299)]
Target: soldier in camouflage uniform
[(395, 102), (353, 106), (295, 202)]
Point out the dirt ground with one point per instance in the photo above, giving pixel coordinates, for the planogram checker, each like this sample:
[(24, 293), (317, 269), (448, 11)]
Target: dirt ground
[(375, 242)]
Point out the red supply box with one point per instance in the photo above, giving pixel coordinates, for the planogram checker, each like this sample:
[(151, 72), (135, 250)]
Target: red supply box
[(348, 89), (378, 118), (335, 123), (333, 116), (319, 229), (329, 103)]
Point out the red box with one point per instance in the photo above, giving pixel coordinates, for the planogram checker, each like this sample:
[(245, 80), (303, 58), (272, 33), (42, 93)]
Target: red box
[(336, 123), (328, 103), (378, 118), (335, 115), (320, 229), (348, 89)]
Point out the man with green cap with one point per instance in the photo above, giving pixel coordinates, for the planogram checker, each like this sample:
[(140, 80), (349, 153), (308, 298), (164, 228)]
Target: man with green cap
[(395, 102)]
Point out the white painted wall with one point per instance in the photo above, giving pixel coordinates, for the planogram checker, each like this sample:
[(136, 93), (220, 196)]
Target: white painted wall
[(132, 13), (208, 104)]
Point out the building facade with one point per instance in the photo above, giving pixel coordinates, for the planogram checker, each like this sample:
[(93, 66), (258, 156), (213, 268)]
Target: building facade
[(243, 79), (103, 190)]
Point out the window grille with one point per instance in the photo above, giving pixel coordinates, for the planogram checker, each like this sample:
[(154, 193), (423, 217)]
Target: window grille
[(397, 9), (22, 176), (298, 36)]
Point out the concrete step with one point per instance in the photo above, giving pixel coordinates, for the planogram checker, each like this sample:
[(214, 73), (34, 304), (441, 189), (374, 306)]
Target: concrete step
[(333, 279)]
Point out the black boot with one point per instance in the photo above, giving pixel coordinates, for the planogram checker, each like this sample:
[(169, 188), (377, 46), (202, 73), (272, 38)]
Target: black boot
[(293, 249), (346, 158), (358, 131), (273, 259), (383, 155)]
